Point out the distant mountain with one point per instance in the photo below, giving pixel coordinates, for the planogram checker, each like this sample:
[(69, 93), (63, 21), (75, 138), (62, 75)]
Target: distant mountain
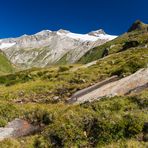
[(51, 47)]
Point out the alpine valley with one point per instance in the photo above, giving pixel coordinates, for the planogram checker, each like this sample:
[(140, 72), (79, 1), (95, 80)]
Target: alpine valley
[(65, 90)]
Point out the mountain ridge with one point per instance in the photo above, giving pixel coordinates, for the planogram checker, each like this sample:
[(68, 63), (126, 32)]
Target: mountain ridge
[(48, 47)]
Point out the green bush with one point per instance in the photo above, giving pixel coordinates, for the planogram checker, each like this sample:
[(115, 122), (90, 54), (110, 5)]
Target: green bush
[(134, 124), (141, 99), (7, 113), (39, 116), (3, 122), (63, 68), (10, 143), (66, 134), (41, 142), (129, 67)]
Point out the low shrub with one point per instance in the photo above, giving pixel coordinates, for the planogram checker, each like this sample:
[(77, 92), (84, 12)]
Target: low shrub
[(10, 143), (39, 117), (63, 68)]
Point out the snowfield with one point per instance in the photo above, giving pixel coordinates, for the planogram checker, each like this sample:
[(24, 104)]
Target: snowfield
[(6, 45), (87, 37)]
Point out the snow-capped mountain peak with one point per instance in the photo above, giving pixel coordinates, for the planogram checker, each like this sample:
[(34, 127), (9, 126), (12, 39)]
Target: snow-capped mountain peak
[(43, 32), (48, 47), (100, 34), (97, 32), (62, 31), (92, 36)]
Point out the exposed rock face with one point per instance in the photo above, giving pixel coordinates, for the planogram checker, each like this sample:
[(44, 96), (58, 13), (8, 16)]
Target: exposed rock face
[(121, 87), (17, 128), (97, 33), (139, 26), (48, 47)]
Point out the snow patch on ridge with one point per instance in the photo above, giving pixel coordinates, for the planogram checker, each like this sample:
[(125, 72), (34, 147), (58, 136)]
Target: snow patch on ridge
[(106, 36), (43, 32), (6, 45), (83, 37), (86, 37)]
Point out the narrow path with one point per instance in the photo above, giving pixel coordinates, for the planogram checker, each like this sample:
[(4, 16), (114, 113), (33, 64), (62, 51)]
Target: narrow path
[(91, 63)]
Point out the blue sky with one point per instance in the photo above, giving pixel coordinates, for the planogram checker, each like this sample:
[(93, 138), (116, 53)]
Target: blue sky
[(18, 17)]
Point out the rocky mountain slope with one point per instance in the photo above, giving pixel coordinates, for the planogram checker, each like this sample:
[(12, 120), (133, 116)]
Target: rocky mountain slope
[(49, 47)]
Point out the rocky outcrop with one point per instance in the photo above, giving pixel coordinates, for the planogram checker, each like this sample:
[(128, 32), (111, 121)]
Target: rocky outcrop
[(90, 89), (138, 26), (48, 47), (17, 128), (120, 87)]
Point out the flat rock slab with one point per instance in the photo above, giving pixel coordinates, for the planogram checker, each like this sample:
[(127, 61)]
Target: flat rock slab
[(117, 88), (17, 128)]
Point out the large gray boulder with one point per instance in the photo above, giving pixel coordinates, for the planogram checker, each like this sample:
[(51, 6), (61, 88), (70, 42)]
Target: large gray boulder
[(17, 128)]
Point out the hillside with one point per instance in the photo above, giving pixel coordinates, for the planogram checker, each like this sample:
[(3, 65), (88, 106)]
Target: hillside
[(137, 36), (5, 65), (111, 122), (44, 85), (35, 110), (37, 96)]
